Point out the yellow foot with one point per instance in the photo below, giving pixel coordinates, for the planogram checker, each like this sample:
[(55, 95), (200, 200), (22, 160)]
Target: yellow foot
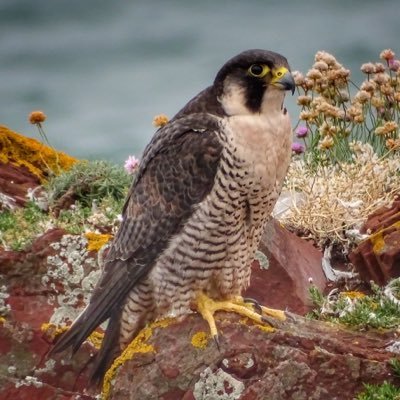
[(207, 307)]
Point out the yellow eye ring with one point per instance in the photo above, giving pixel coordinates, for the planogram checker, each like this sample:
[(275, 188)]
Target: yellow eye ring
[(258, 70)]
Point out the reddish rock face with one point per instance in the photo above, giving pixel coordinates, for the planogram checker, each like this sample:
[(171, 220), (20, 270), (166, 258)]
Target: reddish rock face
[(377, 258), (15, 182), (303, 359), (293, 263)]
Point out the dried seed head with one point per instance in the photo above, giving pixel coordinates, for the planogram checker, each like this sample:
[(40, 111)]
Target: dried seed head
[(37, 117), (160, 120), (368, 68), (387, 54), (304, 100)]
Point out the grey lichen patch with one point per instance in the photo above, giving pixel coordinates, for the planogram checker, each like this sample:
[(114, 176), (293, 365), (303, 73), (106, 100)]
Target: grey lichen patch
[(29, 381), (394, 347), (262, 259), (72, 275), (217, 385), (4, 308), (292, 372)]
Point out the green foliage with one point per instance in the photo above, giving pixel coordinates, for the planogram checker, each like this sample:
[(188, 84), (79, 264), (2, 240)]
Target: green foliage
[(19, 227), (354, 309), (7, 220), (395, 364), (90, 181), (98, 190), (386, 391)]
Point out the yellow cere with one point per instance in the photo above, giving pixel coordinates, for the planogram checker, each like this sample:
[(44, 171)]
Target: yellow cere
[(138, 345), (278, 73), (38, 158), (200, 340)]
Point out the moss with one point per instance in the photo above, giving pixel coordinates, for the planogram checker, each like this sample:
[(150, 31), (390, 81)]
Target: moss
[(39, 159), (88, 182), (356, 310), (96, 240), (200, 340), (18, 228), (138, 345), (385, 391)]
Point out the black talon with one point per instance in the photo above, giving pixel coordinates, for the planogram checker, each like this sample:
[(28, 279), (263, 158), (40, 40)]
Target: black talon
[(256, 305)]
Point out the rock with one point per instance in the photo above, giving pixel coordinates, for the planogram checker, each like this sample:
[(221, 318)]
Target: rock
[(293, 264), (377, 258), (301, 360), (15, 183), (49, 281)]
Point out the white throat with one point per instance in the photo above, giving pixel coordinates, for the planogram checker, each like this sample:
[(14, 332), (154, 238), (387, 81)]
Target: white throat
[(233, 100)]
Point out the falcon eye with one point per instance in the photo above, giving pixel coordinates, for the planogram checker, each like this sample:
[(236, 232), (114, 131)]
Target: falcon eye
[(258, 70)]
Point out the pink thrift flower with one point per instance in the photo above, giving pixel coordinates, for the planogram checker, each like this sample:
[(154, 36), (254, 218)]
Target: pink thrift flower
[(301, 131), (131, 164), (297, 148), (394, 65)]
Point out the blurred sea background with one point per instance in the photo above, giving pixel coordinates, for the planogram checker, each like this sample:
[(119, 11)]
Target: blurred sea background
[(101, 70)]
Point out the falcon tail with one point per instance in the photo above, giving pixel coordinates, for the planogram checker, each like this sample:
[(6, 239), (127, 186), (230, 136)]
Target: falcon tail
[(78, 333)]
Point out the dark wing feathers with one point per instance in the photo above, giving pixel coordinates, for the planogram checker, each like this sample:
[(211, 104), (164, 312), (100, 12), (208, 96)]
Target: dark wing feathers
[(176, 172)]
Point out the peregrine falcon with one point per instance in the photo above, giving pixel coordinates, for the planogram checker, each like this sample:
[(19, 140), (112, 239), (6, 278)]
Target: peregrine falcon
[(193, 218)]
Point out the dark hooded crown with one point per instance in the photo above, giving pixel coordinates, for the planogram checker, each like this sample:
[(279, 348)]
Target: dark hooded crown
[(236, 68)]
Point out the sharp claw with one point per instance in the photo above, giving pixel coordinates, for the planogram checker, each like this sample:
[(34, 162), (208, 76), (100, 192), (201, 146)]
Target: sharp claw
[(256, 305)]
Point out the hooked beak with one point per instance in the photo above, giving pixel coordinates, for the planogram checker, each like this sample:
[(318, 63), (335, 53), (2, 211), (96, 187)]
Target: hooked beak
[(284, 81)]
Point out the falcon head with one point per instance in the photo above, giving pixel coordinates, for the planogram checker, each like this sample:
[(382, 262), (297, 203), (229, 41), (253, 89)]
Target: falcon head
[(253, 82)]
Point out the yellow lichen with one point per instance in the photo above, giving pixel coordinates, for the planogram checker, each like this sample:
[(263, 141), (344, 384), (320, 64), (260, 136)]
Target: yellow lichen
[(96, 338), (138, 345), (264, 328), (377, 239), (52, 330), (39, 159), (2, 320), (96, 240), (200, 340), (353, 294)]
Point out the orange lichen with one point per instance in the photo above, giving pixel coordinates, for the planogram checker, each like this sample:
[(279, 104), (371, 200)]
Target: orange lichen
[(39, 159), (96, 240), (138, 345), (200, 340)]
